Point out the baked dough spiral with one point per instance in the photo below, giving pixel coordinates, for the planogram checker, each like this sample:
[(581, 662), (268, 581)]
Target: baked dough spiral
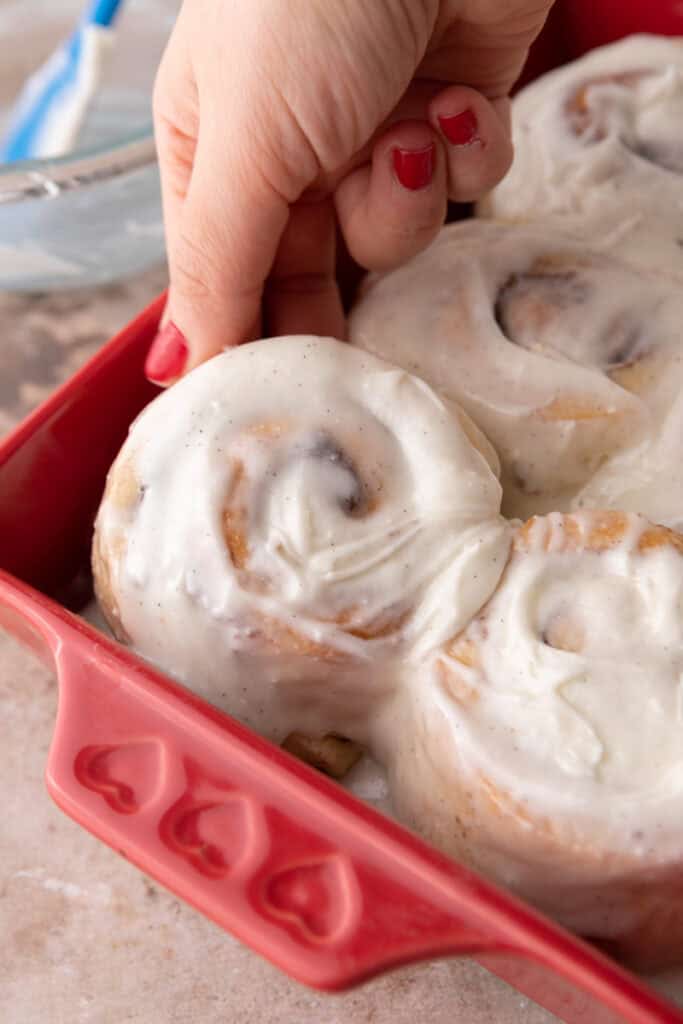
[(562, 356), (289, 523), (598, 145), (543, 742)]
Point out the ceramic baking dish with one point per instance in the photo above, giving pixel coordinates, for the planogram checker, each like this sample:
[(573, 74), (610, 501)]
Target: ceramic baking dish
[(326, 888)]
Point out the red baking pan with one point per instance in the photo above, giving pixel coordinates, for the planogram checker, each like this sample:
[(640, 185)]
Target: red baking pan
[(590, 23), (328, 889), (576, 26), (316, 881)]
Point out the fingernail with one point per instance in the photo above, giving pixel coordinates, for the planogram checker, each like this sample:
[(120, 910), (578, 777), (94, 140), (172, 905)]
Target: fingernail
[(461, 129), (167, 356), (414, 168)]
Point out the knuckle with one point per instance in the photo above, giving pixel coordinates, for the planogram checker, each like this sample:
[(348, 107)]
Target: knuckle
[(409, 231), (189, 282), (192, 270), (163, 88)]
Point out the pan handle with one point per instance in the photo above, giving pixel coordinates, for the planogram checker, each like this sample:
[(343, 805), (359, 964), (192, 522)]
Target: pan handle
[(264, 846)]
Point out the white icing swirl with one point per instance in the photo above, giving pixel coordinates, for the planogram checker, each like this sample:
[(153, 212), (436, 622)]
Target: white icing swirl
[(646, 477), (544, 743), (597, 144), (304, 517), (609, 713), (562, 356)]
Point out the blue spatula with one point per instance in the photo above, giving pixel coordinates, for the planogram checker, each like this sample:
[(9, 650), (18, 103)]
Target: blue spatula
[(54, 101)]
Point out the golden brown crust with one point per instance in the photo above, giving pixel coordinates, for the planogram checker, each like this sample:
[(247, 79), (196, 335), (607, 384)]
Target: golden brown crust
[(574, 533), (235, 518), (275, 637), (332, 754), (454, 685), (578, 108), (103, 586), (123, 489), (562, 410), (124, 492), (599, 531), (659, 536), (464, 650)]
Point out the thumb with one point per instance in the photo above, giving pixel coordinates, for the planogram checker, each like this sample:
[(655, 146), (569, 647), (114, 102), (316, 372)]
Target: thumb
[(221, 239)]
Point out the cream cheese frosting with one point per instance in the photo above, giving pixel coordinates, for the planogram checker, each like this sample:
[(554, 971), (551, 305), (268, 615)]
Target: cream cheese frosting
[(544, 742), (597, 145), (289, 522), (561, 355), (646, 477)]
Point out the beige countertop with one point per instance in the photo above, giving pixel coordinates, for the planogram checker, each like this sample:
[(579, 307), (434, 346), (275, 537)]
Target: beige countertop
[(85, 936)]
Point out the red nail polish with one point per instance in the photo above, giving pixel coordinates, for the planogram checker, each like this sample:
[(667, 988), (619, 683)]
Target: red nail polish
[(414, 168), (461, 129), (167, 356)]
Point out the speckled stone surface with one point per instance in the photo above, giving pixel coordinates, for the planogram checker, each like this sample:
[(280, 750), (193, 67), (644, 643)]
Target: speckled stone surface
[(85, 936)]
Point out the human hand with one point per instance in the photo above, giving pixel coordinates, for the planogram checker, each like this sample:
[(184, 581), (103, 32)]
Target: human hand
[(278, 121)]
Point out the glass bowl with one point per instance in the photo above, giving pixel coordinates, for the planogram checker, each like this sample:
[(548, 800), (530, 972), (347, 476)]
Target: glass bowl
[(94, 215)]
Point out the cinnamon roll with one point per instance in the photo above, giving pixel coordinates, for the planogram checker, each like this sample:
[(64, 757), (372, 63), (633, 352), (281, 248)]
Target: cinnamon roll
[(542, 744), (598, 145), (562, 356), (289, 523)]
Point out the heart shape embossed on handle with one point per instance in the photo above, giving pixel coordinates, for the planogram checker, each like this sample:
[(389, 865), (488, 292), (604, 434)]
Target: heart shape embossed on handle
[(215, 828), (126, 775), (321, 898)]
